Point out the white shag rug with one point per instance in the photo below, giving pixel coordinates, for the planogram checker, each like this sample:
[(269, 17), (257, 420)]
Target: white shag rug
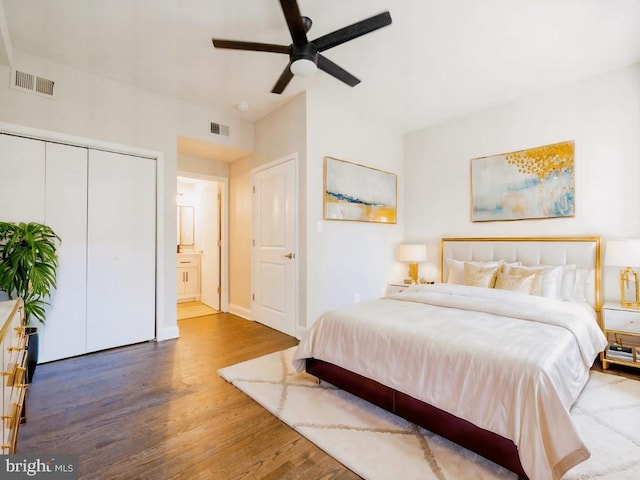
[(376, 444)]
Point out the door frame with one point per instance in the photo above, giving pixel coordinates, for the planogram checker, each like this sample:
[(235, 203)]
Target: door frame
[(224, 232), (296, 241)]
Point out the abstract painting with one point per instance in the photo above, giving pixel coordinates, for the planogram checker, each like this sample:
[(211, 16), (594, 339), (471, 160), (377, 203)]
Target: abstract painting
[(358, 193), (533, 183)]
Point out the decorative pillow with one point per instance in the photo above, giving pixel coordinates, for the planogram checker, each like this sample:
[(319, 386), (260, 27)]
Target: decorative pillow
[(479, 275), (547, 282), (522, 283), (456, 268)]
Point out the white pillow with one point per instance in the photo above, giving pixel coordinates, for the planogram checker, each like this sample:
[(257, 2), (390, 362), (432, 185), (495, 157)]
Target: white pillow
[(522, 283), (548, 278), (584, 288), (568, 282)]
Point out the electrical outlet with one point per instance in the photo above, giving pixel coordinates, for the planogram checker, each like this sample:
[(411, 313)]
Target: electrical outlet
[(356, 298), (319, 226)]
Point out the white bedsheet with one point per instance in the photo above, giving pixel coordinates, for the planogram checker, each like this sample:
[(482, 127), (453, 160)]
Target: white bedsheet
[(507, 362)]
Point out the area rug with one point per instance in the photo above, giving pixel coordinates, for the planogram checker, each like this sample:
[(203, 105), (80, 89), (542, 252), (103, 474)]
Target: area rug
[(376, 444)]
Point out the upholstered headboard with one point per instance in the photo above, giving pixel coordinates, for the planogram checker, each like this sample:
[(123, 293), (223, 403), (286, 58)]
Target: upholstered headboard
[(584, 252)]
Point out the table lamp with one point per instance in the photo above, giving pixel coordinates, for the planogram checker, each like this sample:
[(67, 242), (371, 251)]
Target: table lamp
[(412, 254), (625, 253)]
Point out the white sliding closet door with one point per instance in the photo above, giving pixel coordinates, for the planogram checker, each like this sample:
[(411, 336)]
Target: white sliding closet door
[(64, 334), (121, 250), (21, 179)]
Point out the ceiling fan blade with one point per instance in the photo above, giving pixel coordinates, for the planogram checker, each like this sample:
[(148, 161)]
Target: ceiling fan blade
[(294, 21), (352, 31), (283, 81), (336, 71), (253, 46)]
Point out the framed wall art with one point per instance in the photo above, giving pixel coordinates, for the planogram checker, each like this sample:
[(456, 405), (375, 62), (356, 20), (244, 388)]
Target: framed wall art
[(533, 183), (358, 193)]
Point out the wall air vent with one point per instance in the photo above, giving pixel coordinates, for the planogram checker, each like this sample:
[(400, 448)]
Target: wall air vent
[(28, 82), (219, 129)]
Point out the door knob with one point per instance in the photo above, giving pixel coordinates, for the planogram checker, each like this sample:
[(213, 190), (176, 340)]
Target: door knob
[(289, 255)]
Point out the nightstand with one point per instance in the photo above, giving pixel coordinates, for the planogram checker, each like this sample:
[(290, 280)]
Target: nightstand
[(399, 286), (622, 329), (396, 287)]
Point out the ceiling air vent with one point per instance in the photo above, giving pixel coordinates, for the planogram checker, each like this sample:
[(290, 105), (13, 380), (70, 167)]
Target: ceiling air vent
[(28, 82), (219, 129)]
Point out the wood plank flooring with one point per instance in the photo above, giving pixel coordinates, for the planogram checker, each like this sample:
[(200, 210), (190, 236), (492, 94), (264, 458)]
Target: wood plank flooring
[(194, 309), (159, 411)]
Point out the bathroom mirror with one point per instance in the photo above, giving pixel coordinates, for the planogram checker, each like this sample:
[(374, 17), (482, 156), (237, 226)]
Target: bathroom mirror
[(186, 219)]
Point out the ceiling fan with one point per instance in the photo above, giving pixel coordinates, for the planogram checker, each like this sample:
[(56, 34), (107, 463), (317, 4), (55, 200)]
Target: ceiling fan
[(304, 55)]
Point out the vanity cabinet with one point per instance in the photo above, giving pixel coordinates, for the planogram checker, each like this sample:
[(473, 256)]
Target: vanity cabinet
[(188, 277)]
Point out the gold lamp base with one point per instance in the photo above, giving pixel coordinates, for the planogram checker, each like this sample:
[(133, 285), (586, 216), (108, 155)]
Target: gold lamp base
[(413, 274), (627, 275)]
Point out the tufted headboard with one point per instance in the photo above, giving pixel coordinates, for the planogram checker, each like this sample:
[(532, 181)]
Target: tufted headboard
[(584, 252)]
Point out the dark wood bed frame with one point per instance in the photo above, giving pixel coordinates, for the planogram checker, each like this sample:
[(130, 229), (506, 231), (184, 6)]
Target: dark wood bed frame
[(488, 444)]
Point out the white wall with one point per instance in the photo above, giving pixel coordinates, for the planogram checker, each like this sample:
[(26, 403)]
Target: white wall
[(348, 258), (602, 115), (278, 134), (240, 228), (101, 109), (204, 166)]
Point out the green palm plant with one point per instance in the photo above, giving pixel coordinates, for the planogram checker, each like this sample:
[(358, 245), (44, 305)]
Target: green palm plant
[(28, 265)]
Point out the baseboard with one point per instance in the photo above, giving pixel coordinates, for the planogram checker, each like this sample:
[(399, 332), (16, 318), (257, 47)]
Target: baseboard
[(240, 311)]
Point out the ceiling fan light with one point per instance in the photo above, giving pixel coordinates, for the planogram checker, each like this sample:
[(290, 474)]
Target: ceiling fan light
[(303, 67)]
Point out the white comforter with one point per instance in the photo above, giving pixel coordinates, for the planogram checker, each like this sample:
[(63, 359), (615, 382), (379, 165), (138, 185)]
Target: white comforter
[(507, 362)]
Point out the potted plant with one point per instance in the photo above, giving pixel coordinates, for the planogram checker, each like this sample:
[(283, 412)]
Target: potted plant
[(28, 266)]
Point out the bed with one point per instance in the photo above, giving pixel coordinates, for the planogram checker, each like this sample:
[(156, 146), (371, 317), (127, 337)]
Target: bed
[(492, 369)]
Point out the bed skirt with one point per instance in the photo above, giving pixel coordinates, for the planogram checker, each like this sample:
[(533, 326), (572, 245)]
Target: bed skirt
[(485, 443)]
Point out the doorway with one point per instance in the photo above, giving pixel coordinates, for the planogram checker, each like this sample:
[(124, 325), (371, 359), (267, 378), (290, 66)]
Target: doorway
[(201, 250)]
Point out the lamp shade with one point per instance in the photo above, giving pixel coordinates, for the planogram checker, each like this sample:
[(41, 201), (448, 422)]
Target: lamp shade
[(411, 253), (622, 253)]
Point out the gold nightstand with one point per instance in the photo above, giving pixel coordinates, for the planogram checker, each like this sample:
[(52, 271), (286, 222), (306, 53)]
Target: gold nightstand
[(622, 329)]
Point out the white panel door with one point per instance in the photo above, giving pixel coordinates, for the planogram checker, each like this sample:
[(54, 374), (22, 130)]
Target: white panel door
[(21, 179), (121, 251), (64, 334), (275, 225), (208, 232)]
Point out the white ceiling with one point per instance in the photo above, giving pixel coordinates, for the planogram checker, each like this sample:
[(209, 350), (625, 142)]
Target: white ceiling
[(440, 59)]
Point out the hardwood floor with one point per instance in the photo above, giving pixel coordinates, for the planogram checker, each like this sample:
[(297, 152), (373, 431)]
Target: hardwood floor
[(194, 309), (160, 411)]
